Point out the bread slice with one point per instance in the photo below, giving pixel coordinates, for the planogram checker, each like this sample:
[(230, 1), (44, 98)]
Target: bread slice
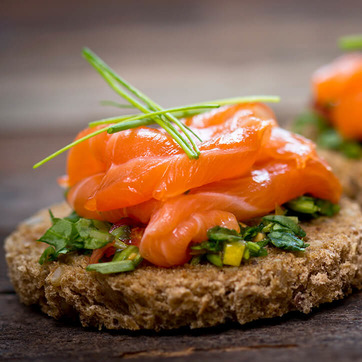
[(195, 296), (349, 172)]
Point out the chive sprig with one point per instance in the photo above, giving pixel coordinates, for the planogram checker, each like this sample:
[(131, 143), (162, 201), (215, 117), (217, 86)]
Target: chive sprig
[(152, 112), (350, 42)]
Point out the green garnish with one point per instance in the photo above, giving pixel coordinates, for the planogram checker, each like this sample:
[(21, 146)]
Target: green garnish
[(313, 207), (152, 112), (312, 125), (223, 247), (287, 222), (116, 104), (113, 79), (287, 241), (74, 233), (122, 233), (71, 233), (112, 267), (350, 42), (219, 233), (125, 254), (280, 231), (215, 259), (228, 247)]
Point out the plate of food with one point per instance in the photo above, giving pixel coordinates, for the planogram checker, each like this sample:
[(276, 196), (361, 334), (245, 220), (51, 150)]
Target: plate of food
[(334, 120), (192, 216)]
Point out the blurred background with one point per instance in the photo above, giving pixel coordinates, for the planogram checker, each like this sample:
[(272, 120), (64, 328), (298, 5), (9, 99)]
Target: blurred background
[(178, 52)]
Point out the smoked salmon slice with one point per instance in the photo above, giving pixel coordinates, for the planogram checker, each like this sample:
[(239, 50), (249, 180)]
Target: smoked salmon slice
[(144, 163), (247, 167), (337, 89)]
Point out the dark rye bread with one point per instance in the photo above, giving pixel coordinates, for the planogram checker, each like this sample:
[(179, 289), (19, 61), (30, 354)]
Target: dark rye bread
[(195, 296), (349, 172)]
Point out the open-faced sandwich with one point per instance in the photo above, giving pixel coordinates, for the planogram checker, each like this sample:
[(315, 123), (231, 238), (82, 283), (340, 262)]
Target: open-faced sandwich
[(335, 122), (212, 217)]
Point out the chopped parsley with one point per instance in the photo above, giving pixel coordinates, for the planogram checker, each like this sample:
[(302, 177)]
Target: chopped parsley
[(313, 125), (222, 247)]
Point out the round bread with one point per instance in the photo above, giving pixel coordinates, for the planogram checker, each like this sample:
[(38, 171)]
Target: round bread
[(349, 172), (195, 296)]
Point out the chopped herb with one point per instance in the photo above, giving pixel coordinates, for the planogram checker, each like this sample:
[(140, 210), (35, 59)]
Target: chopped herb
[(207, 246), (228, 247), (258, 248), (214, 259), (287, 241), (112, 267), (218, 233), (223, 247), (196, 259), (351, 149), (287, 222), (122, 233), (310, 124), (313, 207), (73, 217), (313, 125), (73, 233), (350, 42), (126, 254), (91, 236), (48, 255), (248, 233)]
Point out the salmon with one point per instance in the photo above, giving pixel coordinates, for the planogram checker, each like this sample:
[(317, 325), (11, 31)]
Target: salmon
[(247, 167), (337, 89)]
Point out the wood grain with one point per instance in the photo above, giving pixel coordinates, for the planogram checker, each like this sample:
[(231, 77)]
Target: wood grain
[(332, 332)]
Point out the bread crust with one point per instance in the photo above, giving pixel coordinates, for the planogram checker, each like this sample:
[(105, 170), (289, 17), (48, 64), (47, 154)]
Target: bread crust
[(195, 296), (348, 171)]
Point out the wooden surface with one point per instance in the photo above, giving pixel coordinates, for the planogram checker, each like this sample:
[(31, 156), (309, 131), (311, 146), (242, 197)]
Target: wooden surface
[(178, 52)]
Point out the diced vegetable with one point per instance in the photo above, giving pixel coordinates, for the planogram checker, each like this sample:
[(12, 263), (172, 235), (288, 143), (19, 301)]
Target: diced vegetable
[(312, 206), (112, 267), (220, 233), (233, 253), (122, 233), (126, 254), (214, 259), (196, 260)]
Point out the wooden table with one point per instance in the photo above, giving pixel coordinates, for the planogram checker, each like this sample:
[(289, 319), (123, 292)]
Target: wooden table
[(178, 52)]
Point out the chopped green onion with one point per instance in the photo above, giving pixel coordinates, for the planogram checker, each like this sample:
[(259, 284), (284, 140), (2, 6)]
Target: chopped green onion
[(313, 207), (351, 149), (303, 204), (110, 120), (122, 233), (121, 127), (350, 42), (214, 259), (126, 253), (247, 99), (112, 267), (196, 260), (116, 104), (246, 254), (66, 148), (148, 115), (253, 246)]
